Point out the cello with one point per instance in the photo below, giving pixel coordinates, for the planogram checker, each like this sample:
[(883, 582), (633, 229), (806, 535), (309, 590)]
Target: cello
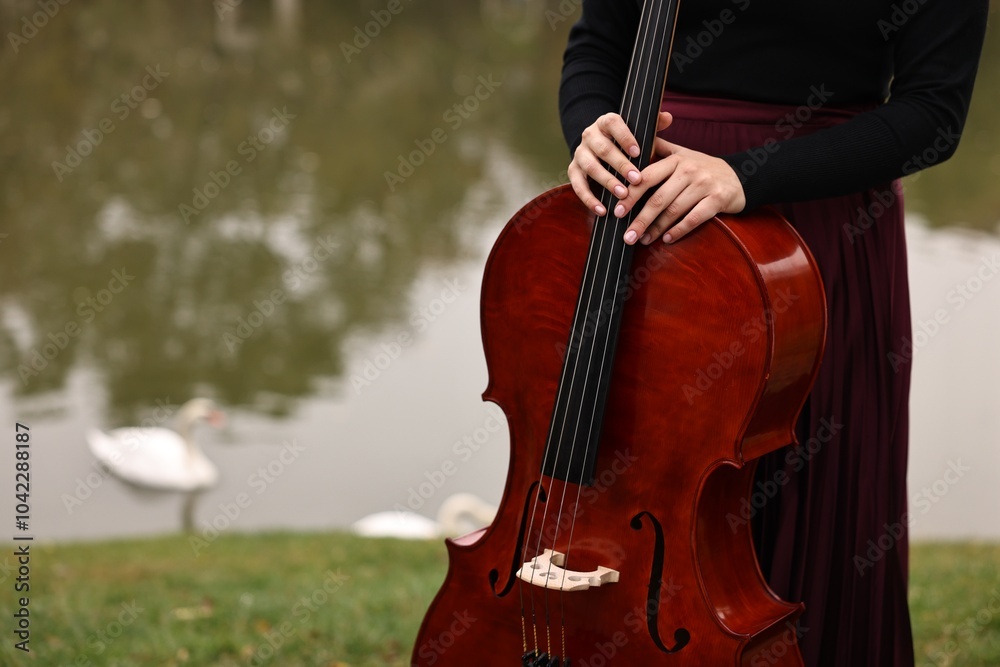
[(640, 384)]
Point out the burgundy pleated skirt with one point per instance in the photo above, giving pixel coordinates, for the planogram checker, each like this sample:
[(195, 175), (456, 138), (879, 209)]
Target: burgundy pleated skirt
[(835, 535)]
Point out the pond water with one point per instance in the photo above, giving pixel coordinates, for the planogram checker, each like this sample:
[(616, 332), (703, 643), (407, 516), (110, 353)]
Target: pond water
[(264, 208)]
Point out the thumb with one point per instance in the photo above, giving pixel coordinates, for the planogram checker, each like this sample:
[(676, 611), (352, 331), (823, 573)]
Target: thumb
[(663, 121)]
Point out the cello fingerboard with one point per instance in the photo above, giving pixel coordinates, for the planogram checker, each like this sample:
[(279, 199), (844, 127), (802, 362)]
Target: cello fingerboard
[(578, 415)]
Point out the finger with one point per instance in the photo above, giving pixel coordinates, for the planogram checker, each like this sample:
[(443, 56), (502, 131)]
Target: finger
[(613, 125), (657, 174), (705, 210), (673, 148), (581, 186), (642, 228), (681, 204), (594, 167), (661, 147), (608, 153), (663, 121)]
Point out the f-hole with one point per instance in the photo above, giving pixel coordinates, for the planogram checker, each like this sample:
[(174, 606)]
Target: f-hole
[(516, 557), (681, 635)]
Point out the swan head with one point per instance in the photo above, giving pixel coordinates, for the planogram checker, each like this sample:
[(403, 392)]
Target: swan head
[(200, 409), (459, 506)]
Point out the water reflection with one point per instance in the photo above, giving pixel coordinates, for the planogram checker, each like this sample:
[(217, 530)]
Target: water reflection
[(233, 167), (213, 201)]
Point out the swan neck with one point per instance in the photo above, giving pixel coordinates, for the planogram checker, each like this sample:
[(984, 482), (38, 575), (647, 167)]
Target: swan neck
[(185, 428)]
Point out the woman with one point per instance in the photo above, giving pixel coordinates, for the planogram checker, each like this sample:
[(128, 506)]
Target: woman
[(816, 108)]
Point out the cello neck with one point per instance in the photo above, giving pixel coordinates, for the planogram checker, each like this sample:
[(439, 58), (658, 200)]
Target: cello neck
[(578, 415), (648, 73)]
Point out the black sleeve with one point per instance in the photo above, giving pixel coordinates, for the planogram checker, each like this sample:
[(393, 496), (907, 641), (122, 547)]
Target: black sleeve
[(595, 65), (936, 55), (936, 58)]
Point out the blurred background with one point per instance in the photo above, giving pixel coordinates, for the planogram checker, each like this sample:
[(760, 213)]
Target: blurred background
[(286, 207), (342, 197)]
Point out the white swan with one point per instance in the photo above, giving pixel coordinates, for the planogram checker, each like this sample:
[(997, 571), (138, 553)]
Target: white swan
[(459, 514), (158, 457)]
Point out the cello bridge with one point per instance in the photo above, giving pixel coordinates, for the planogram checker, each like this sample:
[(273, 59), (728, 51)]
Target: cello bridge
[(548, 571)]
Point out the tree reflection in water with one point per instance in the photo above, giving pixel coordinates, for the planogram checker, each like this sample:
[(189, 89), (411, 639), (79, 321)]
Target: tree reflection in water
[(244, 193), (296, 238)]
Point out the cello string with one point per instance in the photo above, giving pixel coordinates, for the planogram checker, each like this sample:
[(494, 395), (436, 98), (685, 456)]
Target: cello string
[(563, 396), (644, 125), (645, 122), (608, 233), (599, 223), (642, 72)]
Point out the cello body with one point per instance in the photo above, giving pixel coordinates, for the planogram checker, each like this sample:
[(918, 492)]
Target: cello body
[(721, 337)]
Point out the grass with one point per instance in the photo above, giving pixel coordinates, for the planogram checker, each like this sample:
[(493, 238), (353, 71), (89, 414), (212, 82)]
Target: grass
[(335, 600)]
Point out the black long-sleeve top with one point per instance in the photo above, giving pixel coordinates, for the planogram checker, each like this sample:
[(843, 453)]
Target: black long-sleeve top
[(914, 61)]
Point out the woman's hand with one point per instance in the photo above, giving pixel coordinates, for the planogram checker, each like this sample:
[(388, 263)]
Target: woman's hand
[(691, 187), (609, 141), (694, 187)]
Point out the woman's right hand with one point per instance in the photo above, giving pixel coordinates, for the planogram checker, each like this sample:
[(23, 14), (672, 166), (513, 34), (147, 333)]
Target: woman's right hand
[(607, 141)]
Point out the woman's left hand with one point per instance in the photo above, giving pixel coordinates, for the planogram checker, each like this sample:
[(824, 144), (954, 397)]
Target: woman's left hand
[(691, 187)]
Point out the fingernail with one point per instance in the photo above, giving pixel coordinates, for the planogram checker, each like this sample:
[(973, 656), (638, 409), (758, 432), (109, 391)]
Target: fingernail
[(667, 238), (620, 191), (634, 151), (630, 236), (619, 211), (633, 176), (646, 238), (601, 210)]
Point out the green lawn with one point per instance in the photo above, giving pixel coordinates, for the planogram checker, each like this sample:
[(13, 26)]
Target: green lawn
[(333, 599)]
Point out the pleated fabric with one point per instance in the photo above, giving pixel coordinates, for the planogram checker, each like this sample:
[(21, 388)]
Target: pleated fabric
[(835, 535)]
